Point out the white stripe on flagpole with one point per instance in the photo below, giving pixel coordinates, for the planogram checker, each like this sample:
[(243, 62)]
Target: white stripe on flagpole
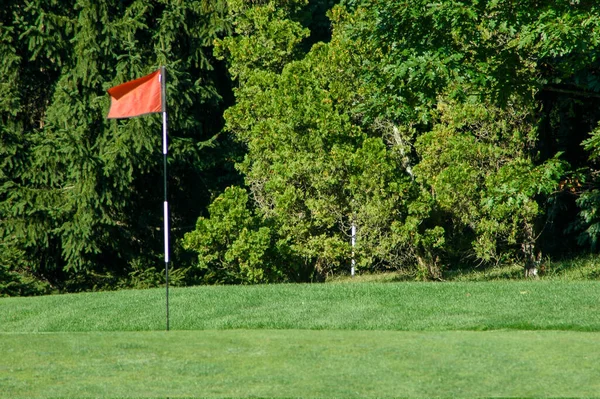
[(353, 244), (164, 114), (166, 219)]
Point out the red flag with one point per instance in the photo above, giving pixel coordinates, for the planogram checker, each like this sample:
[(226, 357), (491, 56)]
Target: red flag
[(137, 97)]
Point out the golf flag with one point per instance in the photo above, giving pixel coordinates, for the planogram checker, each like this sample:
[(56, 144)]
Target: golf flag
[(141, 96), (137, 97)]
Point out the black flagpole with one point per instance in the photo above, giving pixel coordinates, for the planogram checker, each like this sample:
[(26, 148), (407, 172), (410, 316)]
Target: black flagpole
[(163, 90)]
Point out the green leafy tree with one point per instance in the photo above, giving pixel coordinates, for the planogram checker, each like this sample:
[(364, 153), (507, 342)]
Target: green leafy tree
[(308, 166), (426, 61), (235, 245), (427, 125), (477, 161)]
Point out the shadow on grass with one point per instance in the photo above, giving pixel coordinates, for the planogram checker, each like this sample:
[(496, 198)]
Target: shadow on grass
[(570, 268)]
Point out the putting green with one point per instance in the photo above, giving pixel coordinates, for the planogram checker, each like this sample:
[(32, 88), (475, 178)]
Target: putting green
[(294, 363)]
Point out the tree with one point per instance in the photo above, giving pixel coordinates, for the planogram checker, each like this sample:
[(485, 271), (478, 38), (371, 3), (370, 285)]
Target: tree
[(235, 245), (80, 196), (478, 165), (431, 69), (420, 122), (308, 166)]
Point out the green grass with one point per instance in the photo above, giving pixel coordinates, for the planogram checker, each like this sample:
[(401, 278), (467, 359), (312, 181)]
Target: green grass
[(528, 305), (324, 340), (267, 363), (580, 268)]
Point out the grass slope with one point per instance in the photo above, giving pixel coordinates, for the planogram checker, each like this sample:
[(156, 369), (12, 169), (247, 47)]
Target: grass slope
[(300, 363), (325, 340), (526, 305)]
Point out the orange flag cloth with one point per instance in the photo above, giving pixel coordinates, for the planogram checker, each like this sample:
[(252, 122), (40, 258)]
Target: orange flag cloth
[(136, 97)]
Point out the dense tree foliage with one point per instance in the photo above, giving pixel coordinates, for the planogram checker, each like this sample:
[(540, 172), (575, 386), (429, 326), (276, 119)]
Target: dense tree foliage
[(80, 196), (450, 134)]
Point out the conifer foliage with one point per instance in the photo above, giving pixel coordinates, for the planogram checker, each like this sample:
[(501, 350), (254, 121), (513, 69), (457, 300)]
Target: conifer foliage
[(81, 196)]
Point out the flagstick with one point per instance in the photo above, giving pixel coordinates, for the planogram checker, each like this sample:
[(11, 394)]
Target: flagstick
[(166, 203), (166, 213), (124, 104)]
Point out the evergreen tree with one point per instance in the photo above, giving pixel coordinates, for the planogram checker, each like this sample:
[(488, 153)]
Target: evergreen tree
[(81, 196)]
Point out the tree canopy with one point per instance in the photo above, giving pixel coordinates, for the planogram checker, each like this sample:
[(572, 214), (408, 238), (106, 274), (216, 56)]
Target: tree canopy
[(80, 196), (450, 134), (437, 129)]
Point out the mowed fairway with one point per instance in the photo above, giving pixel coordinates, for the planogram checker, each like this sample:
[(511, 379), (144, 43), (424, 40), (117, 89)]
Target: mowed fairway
[(511, 339)]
